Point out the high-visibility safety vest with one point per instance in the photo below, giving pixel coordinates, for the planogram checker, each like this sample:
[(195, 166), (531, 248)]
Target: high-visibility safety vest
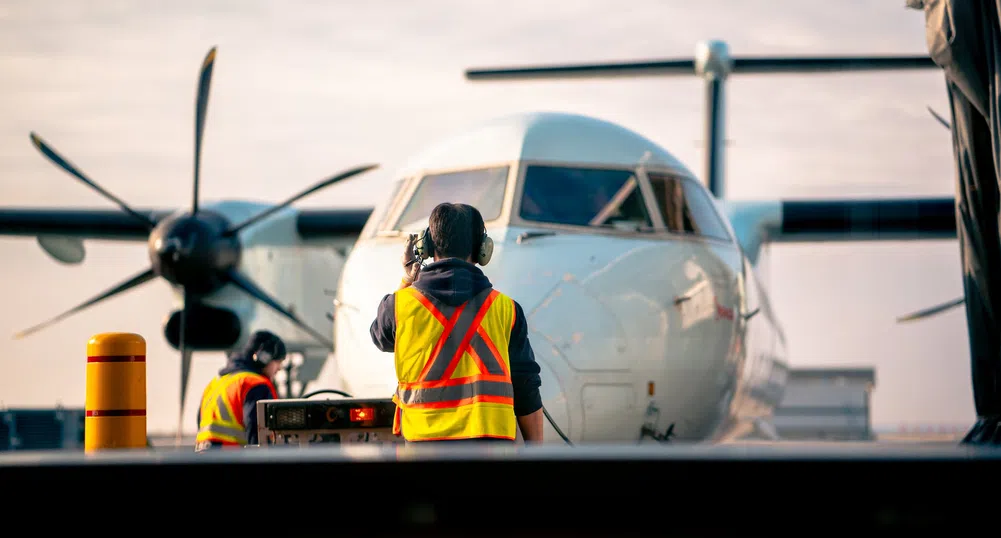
[(222, 407), (453, 367)]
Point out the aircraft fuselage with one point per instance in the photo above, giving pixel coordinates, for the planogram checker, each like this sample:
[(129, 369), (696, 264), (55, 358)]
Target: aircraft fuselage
[(628, 332)]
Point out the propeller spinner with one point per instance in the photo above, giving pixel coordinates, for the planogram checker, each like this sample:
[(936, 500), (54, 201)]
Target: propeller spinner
[(198, 251)]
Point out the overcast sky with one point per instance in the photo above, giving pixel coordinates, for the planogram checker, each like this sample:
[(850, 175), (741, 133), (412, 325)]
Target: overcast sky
[(302, 89)]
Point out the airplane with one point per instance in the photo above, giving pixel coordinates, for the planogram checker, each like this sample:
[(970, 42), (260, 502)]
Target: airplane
[(646, 312)]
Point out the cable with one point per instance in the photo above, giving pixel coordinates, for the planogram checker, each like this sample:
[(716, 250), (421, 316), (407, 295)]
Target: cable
[(555, 427), (327, 391)]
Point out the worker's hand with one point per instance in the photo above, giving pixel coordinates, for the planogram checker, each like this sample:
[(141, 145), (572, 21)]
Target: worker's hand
[(411, 263)]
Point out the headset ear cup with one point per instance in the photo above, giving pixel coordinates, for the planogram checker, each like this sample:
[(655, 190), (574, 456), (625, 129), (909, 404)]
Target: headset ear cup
[(427, 245), (486, 250), (263, 357), (423, 245)]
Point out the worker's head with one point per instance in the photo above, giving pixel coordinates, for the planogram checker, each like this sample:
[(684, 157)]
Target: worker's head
[(267, 351), (457, 231)]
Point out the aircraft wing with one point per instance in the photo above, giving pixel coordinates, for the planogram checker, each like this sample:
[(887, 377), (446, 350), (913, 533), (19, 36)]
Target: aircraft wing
[(316, 224), (112, 224), (793, 221), (61, 232)]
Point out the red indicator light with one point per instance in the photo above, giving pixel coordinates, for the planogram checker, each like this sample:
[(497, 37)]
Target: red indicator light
[(362, 414)]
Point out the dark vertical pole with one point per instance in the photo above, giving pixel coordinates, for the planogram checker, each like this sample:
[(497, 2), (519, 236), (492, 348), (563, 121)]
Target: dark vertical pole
[(714, 136)]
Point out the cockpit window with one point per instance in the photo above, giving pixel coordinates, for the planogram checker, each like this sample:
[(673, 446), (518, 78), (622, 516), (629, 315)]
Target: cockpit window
[(482, 189), (583, 197), (378, 218), (685, 207)]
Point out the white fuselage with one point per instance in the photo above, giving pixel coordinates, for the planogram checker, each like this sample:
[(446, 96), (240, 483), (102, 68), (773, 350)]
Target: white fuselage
[(627, 331)]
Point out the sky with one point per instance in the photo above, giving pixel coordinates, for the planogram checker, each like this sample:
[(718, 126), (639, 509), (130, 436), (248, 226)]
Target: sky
[(302, 89)]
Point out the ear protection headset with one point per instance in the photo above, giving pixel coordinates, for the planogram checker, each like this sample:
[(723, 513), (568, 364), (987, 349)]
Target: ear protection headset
[(263, 357), (268, 352), (424, 248)]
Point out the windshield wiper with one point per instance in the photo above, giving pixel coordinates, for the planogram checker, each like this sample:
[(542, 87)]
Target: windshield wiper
[(524, 236)]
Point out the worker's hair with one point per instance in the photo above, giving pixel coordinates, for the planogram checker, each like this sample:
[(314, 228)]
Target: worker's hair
[(268, 342), (456, 230)]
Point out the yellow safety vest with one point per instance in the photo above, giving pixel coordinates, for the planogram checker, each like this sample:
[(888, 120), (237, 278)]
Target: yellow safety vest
[(222, 408), (453, 367)]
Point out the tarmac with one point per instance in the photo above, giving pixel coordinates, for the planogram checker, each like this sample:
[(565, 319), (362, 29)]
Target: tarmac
[(166, 452)]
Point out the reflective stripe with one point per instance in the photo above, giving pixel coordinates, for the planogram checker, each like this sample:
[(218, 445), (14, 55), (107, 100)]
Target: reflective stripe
[(237, 435), (223, 428), (462, 326), (488, 355), (454, 341), (220, 421), (454, 393)]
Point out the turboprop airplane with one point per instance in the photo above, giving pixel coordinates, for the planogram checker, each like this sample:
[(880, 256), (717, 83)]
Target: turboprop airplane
[(645, 310)]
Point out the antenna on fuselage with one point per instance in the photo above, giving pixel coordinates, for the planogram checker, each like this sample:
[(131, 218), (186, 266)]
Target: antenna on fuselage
[(713, 62)]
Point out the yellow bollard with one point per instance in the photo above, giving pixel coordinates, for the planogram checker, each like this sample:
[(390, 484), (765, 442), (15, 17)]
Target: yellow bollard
[(116, 392)]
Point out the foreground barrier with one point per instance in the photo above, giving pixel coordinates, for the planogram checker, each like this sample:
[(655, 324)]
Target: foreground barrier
[(116, 392)]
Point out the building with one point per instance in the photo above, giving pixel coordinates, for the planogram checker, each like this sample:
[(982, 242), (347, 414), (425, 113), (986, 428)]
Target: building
[(826, 404)]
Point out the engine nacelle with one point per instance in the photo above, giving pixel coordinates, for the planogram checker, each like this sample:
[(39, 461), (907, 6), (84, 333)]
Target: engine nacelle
[(208, 328)]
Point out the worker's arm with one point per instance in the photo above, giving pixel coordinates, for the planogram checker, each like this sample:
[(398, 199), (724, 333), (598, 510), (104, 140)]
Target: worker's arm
[(260, 392), (525, 379), (531, 426), (383, 329), (198, 411)]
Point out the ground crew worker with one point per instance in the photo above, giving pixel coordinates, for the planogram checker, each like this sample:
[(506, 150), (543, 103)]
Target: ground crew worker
[(228, 413), (464, 365)]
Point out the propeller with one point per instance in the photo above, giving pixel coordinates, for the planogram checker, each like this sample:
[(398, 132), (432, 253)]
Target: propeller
[(939, 117), (929, 312), (946, 306), (198, 251)]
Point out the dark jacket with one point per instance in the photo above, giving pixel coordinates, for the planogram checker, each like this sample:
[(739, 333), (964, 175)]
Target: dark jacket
[(453, 282), (239, 362)]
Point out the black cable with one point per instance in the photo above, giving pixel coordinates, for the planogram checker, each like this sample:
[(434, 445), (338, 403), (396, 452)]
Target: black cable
[(555, 427), (327, 391)]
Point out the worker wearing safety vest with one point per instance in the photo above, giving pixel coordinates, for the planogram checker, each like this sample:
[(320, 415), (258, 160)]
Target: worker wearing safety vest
[(228, 413), (464, 365)]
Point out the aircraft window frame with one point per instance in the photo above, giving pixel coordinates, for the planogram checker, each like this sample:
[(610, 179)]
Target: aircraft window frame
[(727, 237), (391, 226), (640, 179), (399, 187)]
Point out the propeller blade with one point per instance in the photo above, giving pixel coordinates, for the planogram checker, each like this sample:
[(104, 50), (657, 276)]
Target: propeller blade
[(63, 163), (321, 185), (201, 107), (928, 312), (940, 119), (185, 363), (256, 292), (136, 280), (687, 66)]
